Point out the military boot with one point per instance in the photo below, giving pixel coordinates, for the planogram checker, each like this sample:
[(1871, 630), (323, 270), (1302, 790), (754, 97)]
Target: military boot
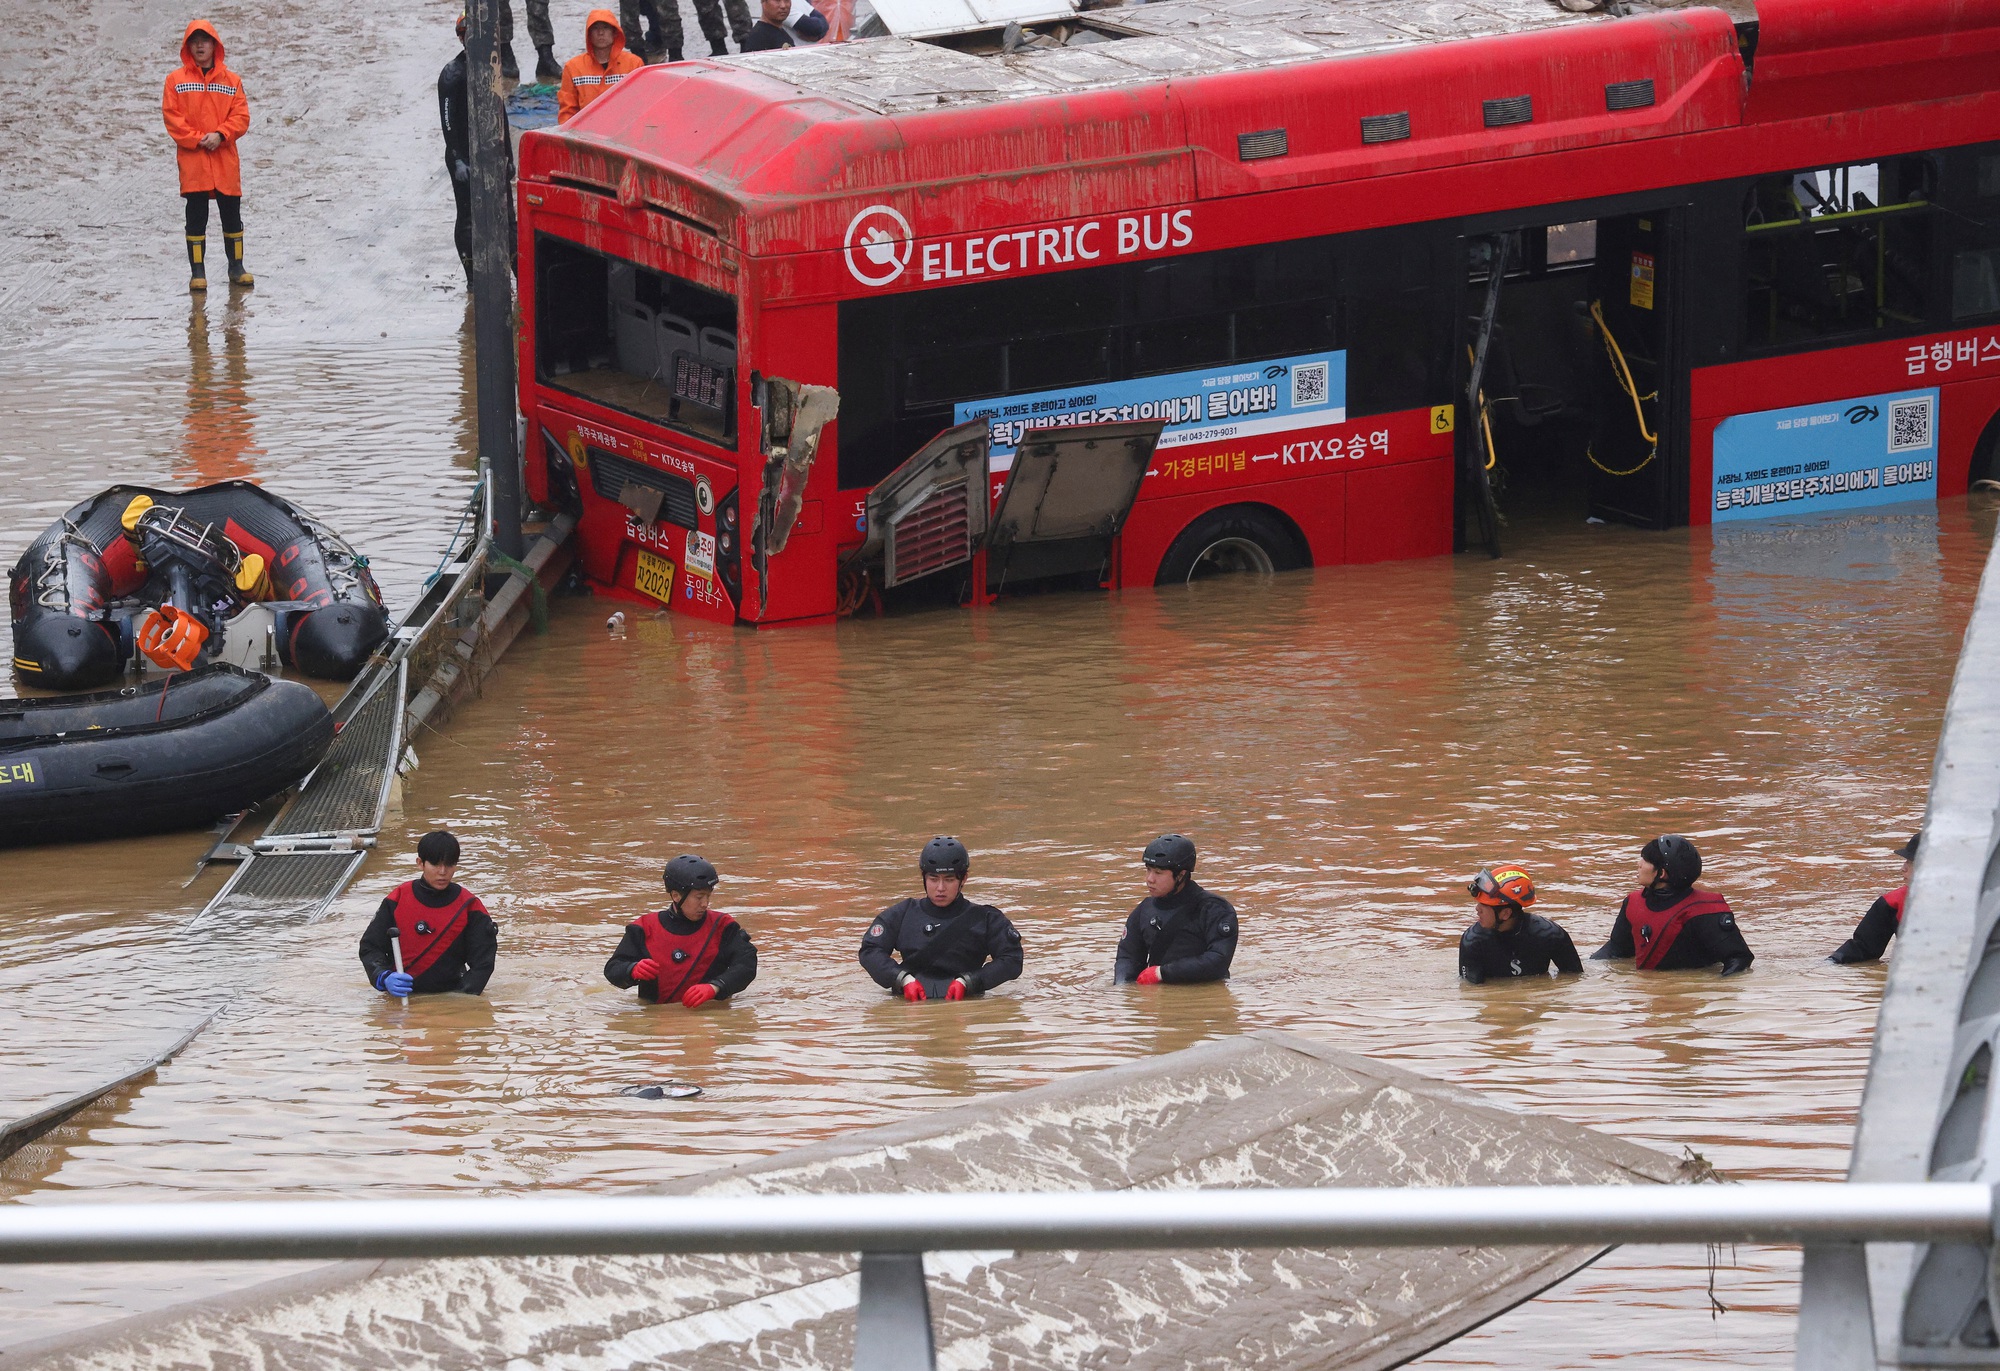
[(197, 273), (717, 48), (547, 69), (232, 245), (508, 67)]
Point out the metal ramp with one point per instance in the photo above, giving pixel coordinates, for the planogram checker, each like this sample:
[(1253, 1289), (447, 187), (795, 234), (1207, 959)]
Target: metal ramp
[(309, 853), (312, 849)]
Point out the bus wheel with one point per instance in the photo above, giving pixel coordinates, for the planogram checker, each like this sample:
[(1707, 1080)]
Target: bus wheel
[(1231, 541), (1986, 455)]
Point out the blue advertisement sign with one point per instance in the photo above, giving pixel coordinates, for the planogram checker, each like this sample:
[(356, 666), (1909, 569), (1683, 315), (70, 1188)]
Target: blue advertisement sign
[(1215, 404), (1844, 454)]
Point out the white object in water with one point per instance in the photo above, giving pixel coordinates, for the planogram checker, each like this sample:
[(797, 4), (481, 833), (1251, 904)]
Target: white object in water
[(615, 625)]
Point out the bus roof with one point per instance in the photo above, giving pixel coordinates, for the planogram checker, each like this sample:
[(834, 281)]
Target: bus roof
[(1140, 43), (1186, 101)]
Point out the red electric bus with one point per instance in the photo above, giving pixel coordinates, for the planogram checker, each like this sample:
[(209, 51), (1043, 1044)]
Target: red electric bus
[(1162, 290)]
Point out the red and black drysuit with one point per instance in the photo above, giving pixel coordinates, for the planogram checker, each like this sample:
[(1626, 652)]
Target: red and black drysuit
[(1883, 921), (974, 943), (1190, 935), (1677, 930), (448, 938), (1529, 948), (716, 951)]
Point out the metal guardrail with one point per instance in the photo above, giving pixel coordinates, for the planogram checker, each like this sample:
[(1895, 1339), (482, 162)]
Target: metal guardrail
[(1928, 1111), (894, 1330)]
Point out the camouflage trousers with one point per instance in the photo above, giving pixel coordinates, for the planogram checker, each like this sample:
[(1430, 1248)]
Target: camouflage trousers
[(666, 17), (540, 33)]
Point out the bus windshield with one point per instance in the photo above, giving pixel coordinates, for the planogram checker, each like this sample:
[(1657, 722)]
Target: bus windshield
[(641, 341)]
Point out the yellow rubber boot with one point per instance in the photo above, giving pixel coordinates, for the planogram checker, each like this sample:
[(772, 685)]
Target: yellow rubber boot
[(232, 244), (197, 273)]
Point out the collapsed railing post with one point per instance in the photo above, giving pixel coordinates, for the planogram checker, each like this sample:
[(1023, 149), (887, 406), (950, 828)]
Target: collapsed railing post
[(892, 1330)]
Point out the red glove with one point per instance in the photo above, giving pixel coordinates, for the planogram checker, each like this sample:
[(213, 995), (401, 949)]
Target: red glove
[(646, 970), (1150, 976), (698, 994), (913, 990), (955, 991)]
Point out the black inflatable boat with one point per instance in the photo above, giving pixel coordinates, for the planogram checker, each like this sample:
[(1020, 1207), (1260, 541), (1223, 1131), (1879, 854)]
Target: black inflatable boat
[(177, 752), (134, 570)]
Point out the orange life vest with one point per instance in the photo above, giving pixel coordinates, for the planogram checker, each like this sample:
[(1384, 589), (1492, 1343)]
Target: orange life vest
[(1654, 931), (1895, 900), (684, 958), (427, 934)]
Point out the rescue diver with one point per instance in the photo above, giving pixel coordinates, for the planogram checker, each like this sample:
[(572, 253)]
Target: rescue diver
[(1884, 918), (684, 952), (1669, 925), (1180, 934), (949, 947), (446, 937), (455, 121), (1508, 941)]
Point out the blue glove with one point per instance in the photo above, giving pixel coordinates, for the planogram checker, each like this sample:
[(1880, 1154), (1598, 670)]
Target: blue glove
[(395, 983)]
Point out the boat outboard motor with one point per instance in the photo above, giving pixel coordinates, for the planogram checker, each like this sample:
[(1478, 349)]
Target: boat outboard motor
[(202, 569)]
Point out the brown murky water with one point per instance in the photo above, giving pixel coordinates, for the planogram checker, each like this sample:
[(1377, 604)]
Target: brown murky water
[(1347, 746)]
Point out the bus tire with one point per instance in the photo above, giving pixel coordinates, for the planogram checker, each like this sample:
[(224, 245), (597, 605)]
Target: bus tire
[(1985, 455), (1233, 540)]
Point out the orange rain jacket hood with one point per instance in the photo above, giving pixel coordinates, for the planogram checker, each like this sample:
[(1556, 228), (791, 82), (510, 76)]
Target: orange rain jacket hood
[(197, 103), (584, 79)]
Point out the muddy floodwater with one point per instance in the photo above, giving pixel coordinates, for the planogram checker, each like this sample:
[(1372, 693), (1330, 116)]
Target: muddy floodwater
[(1346, 745)]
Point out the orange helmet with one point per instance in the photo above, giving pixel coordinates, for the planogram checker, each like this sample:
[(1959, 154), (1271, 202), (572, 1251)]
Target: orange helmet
[(1498, 885)]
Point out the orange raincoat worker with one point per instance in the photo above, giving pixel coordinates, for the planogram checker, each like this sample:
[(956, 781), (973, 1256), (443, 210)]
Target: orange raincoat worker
[(601, 65), (206, 112)]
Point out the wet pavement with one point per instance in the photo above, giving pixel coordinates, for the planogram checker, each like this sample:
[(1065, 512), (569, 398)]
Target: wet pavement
[(1347, 745)]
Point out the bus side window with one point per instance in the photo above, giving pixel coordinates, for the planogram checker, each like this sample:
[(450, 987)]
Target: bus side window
[(1972, 199), (1837, 251)]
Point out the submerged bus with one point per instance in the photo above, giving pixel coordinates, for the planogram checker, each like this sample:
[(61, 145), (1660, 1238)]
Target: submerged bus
[(1147, 292)]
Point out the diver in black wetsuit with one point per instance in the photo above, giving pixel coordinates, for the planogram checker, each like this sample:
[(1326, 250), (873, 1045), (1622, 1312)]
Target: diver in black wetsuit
[(1180, 933), (941, 946), (1884, 918), (1667, 924), (1508, 941)]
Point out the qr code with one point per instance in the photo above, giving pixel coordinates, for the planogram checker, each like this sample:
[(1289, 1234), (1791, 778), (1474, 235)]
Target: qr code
[(1910, 424), (1309, 385)]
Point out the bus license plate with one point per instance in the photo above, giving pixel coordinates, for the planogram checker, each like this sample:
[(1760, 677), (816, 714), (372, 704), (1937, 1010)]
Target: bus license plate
[(655, 577)]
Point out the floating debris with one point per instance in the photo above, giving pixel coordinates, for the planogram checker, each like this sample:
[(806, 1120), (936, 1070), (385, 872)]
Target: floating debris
[(671, 1090)]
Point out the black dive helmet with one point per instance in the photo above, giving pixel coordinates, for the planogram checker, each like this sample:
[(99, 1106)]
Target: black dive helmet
[(942, 856), (1170, 852), (1676, 859), (688, 872)]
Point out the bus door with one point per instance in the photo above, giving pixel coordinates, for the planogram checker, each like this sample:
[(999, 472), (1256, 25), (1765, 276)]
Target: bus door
[(1634, 448), (1058, 515)]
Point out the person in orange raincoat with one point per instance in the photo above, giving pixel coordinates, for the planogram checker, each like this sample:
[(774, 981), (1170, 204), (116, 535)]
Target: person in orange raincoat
[(206, 111), (602, 64)]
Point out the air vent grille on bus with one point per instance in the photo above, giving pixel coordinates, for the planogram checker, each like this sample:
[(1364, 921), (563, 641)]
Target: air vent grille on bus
[(931, 537), (1514, 109), (1251, 147), (610, 474), (1385, 128), (1629, 94)]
